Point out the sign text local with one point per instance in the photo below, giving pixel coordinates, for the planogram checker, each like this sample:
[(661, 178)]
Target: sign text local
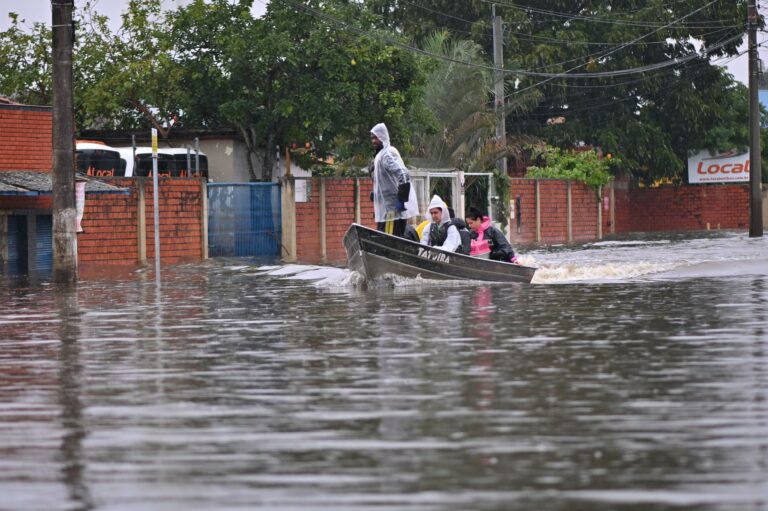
[(721, 168)]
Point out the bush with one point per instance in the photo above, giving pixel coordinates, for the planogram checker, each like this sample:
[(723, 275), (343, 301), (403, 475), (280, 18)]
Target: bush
[(584, 166)]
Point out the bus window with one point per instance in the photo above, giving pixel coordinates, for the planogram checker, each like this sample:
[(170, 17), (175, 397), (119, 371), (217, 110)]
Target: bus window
[(98, 162), (144, 165), (180, 166)]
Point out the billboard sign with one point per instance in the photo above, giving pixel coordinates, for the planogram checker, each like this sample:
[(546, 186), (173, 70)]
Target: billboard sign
[(704, 167)]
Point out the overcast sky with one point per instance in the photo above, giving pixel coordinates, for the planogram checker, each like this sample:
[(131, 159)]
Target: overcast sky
[(40, 10)]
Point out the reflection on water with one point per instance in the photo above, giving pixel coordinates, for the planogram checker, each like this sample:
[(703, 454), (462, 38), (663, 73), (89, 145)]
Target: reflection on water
[(240, 386)]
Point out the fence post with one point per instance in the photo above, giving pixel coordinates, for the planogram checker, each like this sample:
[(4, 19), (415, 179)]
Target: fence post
[(600, 213), (204, 218), (537, 195), (358, 214), (288, 218), (323, 247), (613, 206), (4, 242), (765, 205), (141, 218), (569, 204)]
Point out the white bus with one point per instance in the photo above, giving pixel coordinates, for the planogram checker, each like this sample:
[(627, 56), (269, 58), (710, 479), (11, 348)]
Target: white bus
[(171, 162), (97, 159)]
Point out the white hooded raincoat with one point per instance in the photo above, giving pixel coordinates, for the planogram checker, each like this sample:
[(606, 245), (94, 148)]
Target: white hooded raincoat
[(453, 239), (389, 172)]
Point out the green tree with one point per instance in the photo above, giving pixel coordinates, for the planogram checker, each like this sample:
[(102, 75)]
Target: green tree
[(126, 79), (295, 77), (652, 116), (25, 63)]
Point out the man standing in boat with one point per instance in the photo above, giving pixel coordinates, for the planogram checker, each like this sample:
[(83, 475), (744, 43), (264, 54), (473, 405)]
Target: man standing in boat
[(394, 199)]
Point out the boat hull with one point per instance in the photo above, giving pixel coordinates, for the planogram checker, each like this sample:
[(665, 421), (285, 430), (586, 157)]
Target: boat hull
[(374, 254)]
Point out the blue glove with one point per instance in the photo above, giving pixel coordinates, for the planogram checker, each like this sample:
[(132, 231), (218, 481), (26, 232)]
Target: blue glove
[(399, 206)]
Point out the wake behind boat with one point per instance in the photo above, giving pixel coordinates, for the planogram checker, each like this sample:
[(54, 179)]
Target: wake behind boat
[(374, 254)]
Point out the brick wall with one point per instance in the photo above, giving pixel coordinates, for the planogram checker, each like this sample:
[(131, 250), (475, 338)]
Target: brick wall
[(25, 138), (339, 214), (523, 226), (111, 228), (110, 222), (687, 208), (180, 220), (308, 225), (553, 210), (695, 207), (584, 208)]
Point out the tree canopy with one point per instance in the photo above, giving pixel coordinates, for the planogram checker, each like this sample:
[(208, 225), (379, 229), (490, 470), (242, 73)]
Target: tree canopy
[(638, 78)]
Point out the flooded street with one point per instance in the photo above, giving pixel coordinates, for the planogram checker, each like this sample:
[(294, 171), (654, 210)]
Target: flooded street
[(630, 375)]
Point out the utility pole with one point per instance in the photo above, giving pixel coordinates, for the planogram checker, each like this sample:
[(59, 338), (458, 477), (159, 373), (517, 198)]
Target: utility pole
[(64, 208), (498, 62), (755, 170)]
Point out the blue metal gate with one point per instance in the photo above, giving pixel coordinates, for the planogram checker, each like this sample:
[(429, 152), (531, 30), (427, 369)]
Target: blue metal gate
[(17, 248), (44, 244), (19, 258), (244, 219)]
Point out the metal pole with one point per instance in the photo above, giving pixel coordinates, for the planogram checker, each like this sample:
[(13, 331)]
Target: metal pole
[(755, 171), (189, 162), (156, 205), (197, 156), (63, 177), (498, 62)]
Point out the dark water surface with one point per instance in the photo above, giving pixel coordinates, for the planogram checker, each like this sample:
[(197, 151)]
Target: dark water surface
[(243, 387)]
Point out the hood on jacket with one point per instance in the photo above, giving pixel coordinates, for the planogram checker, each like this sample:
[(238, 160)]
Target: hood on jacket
[(382, 133), (437, 202)]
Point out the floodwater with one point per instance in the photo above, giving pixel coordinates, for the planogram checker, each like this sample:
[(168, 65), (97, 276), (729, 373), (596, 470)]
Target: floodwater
[(632, 375)]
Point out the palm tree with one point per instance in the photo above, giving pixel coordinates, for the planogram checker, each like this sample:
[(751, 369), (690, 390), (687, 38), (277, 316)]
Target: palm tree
[(459, 97)]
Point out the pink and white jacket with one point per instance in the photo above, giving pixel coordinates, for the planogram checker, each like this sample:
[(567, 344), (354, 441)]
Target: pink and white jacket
[(480, 245)]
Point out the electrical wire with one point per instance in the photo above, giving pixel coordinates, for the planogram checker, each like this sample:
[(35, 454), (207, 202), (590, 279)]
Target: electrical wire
[(519, 72), (568, 73), (597, 19)]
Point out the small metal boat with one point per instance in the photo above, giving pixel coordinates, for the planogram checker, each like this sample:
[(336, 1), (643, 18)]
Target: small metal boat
[(373, 254)]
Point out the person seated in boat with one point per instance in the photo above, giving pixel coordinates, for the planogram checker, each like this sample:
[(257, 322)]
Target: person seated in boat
[(441, 232), (487, 241), (394, 199)]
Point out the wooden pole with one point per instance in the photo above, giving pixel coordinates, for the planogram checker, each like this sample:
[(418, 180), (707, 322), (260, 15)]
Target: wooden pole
[(63, 178), (755, 171)]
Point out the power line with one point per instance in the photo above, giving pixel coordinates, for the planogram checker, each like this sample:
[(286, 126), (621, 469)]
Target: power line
[(567, 74), (598, 19), (619, 48), (581, 106)]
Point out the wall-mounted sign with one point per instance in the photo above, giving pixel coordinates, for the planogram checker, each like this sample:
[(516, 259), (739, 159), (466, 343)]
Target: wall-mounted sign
[(721, 168), (300, 190)]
